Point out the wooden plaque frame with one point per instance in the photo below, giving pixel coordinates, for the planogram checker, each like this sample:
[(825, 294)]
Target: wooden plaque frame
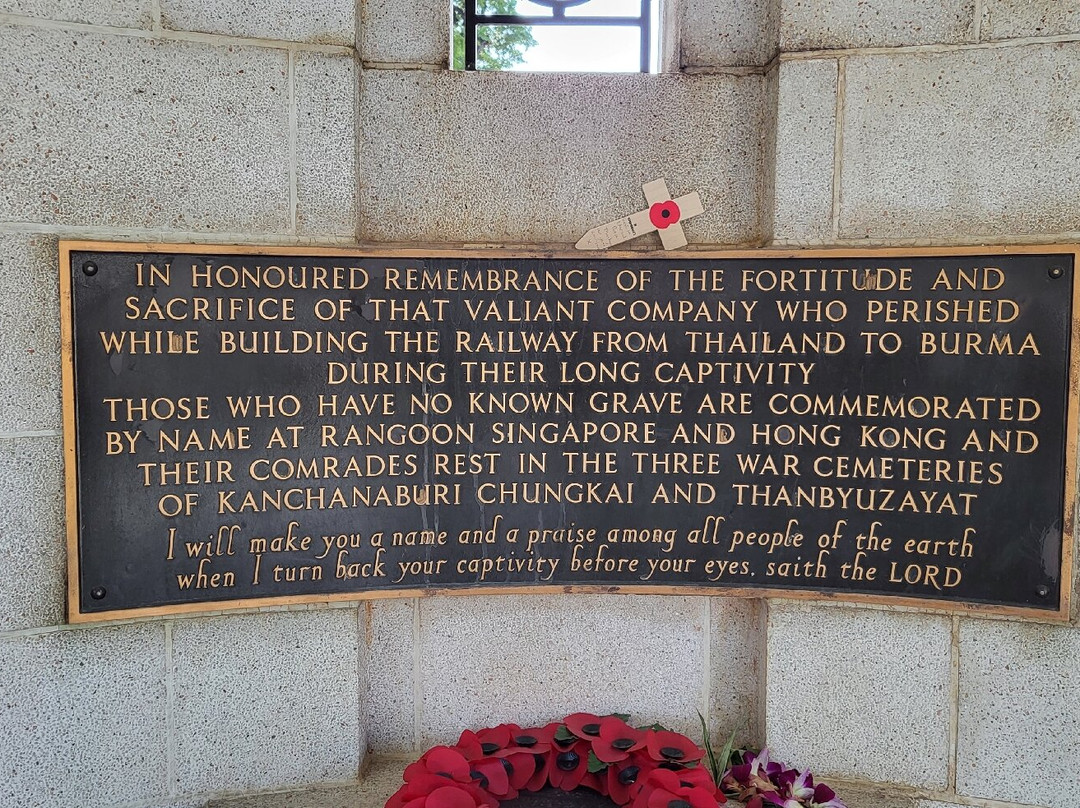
[(75, 615)]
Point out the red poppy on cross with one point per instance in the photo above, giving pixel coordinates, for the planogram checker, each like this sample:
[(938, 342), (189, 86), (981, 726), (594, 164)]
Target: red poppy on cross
[(664, 216)]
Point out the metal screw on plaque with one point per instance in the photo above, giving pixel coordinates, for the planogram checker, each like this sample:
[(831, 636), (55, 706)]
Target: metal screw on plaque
[(97, 593), (1042, 590), (1056, 272), (89, 269)]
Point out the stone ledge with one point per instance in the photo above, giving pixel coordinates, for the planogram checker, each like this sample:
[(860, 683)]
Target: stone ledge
[(383, 777), (380, 780)]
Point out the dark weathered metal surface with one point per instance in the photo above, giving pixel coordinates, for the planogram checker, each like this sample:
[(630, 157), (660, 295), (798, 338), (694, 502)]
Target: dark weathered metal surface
[(796, 429), (556, 798)]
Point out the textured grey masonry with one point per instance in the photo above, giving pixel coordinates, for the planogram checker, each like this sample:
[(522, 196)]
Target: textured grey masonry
[(29, 334), (968, 143), (534, 157), (122, 131)]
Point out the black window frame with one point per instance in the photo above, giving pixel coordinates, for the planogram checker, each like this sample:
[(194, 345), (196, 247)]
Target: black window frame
[(643, 22)]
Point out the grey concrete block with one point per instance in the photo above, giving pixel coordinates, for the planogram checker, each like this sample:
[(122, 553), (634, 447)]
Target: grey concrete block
[(322, 21), (391, 651), (822, 24), (32, 540), (860, 693), (737, 669), (718, 33), (405, 33), (534, 157), (326, 173), (805, 148), (266, 700), (29, 334), (123, 13), (127, 132), (971, 143), (83, 718), (1005, 19), (537, 658), (768, 184), (1018, 713)]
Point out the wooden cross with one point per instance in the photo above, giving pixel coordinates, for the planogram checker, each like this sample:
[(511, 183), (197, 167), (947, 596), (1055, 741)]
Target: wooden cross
[(664, 215)]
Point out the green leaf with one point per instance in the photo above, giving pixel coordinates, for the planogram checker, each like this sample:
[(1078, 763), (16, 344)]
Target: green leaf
[(655, 727), (709, 750), (624, 717), (563, 734), (725, 756), (595, 764)]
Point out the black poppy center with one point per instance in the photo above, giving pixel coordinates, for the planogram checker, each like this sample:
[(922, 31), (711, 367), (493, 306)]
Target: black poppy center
[(525, 740), (489, 748), (507, 765), (480, 778), (665, 213), (622, 744), (629, 775), (591, 729), (678, 804), (672, 753), (567, 761)]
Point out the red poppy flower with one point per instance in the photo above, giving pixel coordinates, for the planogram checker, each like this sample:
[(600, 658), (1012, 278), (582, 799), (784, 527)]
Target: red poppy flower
[(682, 797), (664, 789), (497, 738), (697, 777), (664, 214), (469, 745), (534, 740), (521, 768), (617, 740), (625, 779), (440, 760), (492, 775), (595, 782), (671, 747), (422, 785), (583, 725), (540, 775), (448, 796), (569, 766)]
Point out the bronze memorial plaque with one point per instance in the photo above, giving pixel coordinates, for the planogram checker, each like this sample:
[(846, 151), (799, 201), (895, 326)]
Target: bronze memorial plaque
[(251, 425)]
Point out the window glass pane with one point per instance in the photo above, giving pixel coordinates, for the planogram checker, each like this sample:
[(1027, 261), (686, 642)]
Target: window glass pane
[(607, 8), (523, 7), (503, 47), (556, 46), (587, 49), (590, 8)]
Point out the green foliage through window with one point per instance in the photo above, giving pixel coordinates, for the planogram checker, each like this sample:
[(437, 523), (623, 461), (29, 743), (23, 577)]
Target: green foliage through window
[(498, 47)]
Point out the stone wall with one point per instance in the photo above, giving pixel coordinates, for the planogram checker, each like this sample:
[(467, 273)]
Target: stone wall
[(802, 122)]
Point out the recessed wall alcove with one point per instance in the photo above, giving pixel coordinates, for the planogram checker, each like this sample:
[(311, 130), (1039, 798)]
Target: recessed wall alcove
[(801, 123)]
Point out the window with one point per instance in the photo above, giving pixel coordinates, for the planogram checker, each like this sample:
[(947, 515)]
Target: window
[(563, 35)]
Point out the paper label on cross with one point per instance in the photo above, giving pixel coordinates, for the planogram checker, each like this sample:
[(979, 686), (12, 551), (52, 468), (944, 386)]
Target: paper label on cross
[(664, 215)]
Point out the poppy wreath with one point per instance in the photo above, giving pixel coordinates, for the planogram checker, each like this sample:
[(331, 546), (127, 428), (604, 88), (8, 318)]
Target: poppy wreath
[(639, 767)]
